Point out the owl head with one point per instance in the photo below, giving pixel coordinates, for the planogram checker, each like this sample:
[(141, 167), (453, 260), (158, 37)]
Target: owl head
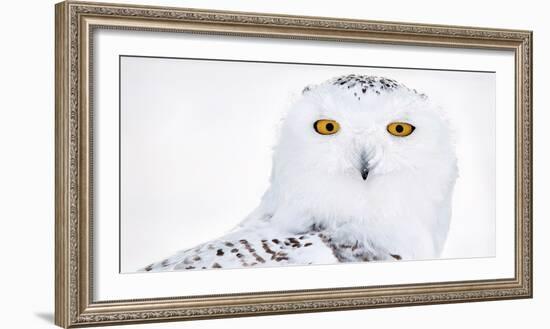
[(356, 142), (364, 127)]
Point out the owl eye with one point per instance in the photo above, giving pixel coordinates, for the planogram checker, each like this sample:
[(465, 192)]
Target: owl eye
[(400, 129), (326, 127)]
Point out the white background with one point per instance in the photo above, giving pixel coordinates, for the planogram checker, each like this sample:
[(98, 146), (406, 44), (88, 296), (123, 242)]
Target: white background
[(26, 135), (196, 148)]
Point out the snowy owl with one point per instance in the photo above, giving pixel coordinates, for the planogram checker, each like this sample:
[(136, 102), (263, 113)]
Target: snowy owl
[(364, 170)]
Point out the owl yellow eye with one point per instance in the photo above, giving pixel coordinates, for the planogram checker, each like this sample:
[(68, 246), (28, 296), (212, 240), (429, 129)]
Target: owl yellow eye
[(326, 127), (400, 129)]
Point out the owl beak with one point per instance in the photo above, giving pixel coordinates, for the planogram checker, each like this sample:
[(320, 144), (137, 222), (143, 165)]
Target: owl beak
[(364, 166), (364, 171)]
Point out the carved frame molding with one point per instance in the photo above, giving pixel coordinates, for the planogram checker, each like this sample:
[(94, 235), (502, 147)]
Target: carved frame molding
[(75, 24)]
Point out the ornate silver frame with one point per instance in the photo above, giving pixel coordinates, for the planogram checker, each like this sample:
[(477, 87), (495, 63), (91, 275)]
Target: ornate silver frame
[(76, 21)]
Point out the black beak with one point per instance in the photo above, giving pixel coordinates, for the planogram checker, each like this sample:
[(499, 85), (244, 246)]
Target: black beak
[(364, 171), (364, 166)]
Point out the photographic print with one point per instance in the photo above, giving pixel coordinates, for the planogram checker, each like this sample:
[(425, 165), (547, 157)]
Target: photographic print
[(215, 164), (230, 164)]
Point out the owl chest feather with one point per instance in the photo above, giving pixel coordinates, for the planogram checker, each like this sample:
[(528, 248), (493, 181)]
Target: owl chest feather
[(377, 216)]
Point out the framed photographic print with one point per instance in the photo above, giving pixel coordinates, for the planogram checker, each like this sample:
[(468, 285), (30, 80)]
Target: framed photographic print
[(213, 164)]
